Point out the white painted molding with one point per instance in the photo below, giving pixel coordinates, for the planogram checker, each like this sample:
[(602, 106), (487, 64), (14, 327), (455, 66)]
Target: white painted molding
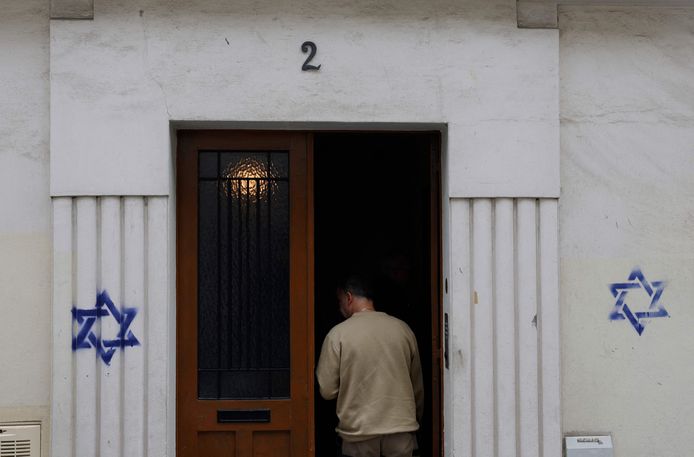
[(543, 14), (72, 9), (537, 14)]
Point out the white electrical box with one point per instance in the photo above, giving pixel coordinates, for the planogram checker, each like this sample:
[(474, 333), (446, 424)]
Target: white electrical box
[(589, 446), (20, 440)]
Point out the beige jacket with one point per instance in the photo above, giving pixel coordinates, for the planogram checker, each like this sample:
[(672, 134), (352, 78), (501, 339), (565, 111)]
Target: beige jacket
[(370, 362)]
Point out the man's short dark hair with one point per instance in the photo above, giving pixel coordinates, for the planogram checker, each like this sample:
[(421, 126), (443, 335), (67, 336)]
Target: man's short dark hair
[(357, 285)]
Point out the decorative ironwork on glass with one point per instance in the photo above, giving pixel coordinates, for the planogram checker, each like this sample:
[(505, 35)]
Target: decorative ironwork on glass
[(243, 275), (250, 177)]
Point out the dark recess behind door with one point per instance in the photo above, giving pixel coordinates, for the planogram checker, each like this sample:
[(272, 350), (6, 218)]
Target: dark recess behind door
[(372, 217)]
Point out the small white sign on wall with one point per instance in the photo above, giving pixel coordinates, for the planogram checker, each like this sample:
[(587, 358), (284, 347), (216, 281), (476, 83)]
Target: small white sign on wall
[(589, 446)]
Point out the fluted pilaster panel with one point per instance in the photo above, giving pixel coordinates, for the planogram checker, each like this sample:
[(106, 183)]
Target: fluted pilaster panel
[(110, 326), (504, 326)]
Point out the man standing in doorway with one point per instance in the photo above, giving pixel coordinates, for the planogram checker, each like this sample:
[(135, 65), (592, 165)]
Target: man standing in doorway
[(370, 363)]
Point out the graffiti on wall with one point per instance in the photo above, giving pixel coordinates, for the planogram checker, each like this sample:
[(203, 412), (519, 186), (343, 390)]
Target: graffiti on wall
[(87, 328), (637, 284)]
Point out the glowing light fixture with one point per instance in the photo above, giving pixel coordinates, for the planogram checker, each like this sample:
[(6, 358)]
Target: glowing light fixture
[(249, 178)]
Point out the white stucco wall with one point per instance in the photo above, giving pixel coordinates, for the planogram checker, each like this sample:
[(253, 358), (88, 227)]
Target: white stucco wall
[(25, 230), (627, 165), (118, 80), (627, 172), (25, 223)]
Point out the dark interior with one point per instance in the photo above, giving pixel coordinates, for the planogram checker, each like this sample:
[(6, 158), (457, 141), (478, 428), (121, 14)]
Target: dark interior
[(372, 218)]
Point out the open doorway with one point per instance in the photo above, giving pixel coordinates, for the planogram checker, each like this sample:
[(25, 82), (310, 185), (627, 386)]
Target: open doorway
[(377, 213), (249, 209)]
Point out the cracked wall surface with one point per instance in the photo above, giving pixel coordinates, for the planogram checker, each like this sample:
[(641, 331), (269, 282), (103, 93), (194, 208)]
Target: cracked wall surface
[(627, 172)]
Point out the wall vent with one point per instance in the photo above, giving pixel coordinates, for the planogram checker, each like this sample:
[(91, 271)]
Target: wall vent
[(20, 440)]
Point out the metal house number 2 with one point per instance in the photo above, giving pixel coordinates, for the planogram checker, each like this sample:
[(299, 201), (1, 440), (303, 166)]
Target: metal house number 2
[(305, 47)]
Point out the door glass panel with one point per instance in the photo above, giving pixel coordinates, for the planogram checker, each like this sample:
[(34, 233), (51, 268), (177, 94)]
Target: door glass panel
[(243, 275)]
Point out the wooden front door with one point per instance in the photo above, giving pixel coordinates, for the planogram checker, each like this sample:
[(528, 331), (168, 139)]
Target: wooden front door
[(244, 312)]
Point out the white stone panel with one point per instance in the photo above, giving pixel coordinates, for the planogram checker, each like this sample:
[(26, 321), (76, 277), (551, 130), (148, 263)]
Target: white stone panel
[(505, 326), (134, 359), (118, 80), (62, 397), (110, 248), (160, 321), (482, 317), (460, 327), (526, 321), (85, 361), (549, 326)]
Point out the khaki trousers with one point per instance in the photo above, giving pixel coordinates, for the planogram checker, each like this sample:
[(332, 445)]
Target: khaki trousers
[(394, 445)]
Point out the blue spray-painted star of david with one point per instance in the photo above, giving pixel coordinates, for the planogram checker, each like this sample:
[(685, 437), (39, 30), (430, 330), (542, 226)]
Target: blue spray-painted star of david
[(622, 311), (86, 318)]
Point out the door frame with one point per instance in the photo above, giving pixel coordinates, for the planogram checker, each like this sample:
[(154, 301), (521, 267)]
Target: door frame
[(443, 248)]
